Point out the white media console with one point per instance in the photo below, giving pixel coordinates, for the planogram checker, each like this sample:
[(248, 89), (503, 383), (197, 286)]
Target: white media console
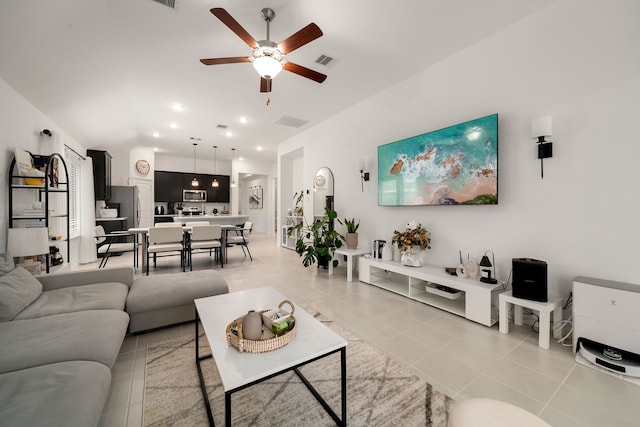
[(473, 300)]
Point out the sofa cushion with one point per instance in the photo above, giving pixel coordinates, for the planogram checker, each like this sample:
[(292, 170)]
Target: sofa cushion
[(6, 264), (86, 335), (60, 394), (98, 296), (18, 289)]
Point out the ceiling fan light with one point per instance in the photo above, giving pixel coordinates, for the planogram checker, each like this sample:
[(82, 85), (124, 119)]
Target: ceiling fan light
[(267, 61)]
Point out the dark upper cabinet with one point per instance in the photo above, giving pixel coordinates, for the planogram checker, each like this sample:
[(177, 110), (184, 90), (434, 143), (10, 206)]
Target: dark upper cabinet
[(187, 179), (168, 186), (101, 173), (219, 194)]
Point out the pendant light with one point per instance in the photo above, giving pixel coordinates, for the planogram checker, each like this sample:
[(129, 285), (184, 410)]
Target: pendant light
[(195, 182), (215, 182), (233, 157)]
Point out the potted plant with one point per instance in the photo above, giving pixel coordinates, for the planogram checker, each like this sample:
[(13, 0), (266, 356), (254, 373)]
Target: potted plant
[(297, 209), (316, 242), (351, 238), (411, 242)]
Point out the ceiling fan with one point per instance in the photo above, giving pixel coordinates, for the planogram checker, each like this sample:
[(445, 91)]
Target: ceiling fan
[(268, 58)]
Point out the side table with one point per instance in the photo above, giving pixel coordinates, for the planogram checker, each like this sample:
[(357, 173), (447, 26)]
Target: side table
[(349, 253), (543, 308)]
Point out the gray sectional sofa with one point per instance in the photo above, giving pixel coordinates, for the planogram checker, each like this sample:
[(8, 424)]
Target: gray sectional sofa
[(60, 335)]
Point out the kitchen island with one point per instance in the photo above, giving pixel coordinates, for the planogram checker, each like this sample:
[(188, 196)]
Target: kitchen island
[(213, 219)]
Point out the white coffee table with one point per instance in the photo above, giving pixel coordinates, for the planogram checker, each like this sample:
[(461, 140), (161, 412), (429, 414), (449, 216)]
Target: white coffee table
[(350, 254), (238, 371)]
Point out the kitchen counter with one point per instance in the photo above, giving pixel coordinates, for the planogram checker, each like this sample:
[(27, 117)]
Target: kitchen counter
[(213, 219)]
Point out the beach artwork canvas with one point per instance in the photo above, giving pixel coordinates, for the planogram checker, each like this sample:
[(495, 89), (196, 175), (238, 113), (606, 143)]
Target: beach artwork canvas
[(457, 165)]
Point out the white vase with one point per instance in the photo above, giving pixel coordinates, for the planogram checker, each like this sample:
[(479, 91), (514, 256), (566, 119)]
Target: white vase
[(396, 253), (387, 253), (412, 257)]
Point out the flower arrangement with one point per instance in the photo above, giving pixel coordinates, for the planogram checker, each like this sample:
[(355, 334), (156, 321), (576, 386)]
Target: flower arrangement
[(414, 235)]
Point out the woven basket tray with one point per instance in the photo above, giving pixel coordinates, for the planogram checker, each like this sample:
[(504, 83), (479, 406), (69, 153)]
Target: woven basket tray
[(267, 342)]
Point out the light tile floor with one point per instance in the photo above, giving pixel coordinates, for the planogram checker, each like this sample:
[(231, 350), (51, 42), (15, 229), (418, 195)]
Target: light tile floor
[(461, 358)]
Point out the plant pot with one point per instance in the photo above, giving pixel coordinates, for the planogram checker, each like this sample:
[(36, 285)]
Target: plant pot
[(352, 240), (412, 257), (323, 262)]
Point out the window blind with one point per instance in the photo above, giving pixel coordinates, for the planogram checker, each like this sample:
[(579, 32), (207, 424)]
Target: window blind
[(74, 165)]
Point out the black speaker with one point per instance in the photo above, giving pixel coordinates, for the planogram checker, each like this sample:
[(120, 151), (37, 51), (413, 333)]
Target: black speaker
[(529, 279)]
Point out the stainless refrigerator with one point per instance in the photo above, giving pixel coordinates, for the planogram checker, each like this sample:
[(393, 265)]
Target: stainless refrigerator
[(126, 197)]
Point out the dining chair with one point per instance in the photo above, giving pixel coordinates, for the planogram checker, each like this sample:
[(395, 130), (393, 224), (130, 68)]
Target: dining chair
[(109, 244), (206, 237), (241, 238), (166, 239), (167, 224)]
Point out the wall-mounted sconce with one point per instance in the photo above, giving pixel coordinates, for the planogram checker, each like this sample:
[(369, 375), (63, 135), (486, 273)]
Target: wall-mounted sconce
[(486, 272), (541, 129), (364, 176)]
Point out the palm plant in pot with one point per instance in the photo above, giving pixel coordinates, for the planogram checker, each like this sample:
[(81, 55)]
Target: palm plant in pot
[(351, 238), (316, 242)]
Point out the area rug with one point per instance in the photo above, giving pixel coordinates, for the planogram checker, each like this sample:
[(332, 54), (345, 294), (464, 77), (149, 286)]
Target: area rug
[(380, 392)]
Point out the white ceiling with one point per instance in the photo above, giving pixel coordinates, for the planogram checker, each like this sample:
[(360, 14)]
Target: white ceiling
[(108, 71)]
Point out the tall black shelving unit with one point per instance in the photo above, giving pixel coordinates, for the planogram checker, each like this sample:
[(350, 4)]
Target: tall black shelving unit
[(56, 184)]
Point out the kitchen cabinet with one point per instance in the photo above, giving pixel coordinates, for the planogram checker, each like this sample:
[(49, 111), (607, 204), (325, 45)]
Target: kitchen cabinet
[(187, 178), (101, 173), (168, 186), (218, 194)]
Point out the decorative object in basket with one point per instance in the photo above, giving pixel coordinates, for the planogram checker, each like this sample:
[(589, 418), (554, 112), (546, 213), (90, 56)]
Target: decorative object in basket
[(275, 334), (252, 325)]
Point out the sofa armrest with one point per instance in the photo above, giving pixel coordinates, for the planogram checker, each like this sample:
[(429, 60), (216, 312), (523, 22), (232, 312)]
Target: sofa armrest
[(62, 280)]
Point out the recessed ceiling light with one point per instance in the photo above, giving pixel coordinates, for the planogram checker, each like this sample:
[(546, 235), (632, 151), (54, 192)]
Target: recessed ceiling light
[(259, 148), (173, 125), (156, 135), (228, 133), (243, 120), (240, 158), (177, 107), (156, 149)]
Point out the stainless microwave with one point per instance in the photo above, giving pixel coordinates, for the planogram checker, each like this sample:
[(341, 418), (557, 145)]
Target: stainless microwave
[(194, 195)]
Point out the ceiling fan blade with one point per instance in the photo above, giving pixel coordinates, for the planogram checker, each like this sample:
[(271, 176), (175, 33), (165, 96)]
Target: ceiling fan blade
[(265, 85), (302, 37), (305, 72), (231, 60), (234, 26)]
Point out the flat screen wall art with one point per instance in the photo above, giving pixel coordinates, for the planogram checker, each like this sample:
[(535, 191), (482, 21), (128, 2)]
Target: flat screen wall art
[(457, 165)]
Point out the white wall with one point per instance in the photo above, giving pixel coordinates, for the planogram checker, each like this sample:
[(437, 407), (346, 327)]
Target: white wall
[(577, 61), (21, 124)]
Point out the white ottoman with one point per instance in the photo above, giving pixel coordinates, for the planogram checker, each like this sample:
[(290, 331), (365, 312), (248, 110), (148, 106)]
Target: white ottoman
[(491, 413), (167, 299)]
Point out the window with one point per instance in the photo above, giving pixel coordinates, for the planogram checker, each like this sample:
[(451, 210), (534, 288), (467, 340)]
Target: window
[(74, 165)]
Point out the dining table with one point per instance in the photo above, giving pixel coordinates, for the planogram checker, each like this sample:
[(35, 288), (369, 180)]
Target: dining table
[(141, 235)]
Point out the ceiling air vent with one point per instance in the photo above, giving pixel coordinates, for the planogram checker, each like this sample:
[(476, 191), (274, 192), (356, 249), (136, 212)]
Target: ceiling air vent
[(324, 60), (168, 3), (221, 126), (291, 122)]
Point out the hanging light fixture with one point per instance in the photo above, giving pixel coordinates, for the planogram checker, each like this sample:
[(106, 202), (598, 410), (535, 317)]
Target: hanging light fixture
[(215, 182), (195, 182), (233, 157)]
